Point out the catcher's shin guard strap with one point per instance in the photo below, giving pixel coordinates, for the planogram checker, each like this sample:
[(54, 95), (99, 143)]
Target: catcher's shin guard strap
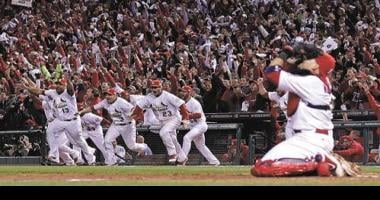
[(279, 168)]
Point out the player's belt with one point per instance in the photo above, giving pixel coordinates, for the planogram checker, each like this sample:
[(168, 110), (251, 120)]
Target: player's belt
[(320, 107), (320, 131), (123, 124), (68, 120)]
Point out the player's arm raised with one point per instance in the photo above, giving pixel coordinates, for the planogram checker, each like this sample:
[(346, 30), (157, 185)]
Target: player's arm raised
[(70, 86), (32, 89), (272, 72)]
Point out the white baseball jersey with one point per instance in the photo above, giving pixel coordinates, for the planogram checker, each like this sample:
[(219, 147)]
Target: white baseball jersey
[(134, 98), (47, 105), (313, 91), (164, 106), (118, 110), (282, 101), (90, 121), (193, 106), (65, 105)]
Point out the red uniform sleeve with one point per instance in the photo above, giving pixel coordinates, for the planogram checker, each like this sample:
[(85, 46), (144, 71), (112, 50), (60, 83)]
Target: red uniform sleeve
[(195, 115), (184, 112), (272, 73)]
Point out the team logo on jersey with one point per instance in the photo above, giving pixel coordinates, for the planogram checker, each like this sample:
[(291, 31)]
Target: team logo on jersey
[(160, 107), (59, 103)]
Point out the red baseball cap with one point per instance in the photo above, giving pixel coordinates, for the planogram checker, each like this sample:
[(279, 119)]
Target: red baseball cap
[(187, 89), (155, 83), (61, 81), (110, 91)]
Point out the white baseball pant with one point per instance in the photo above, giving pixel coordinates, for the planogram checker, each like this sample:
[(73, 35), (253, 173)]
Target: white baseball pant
[(168, 136), (128, 133), (302, 145), (197, 135), (58, 148), (74, 130), (98, 138)]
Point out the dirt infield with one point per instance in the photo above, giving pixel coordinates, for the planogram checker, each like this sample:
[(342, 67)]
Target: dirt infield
[(165, 175)]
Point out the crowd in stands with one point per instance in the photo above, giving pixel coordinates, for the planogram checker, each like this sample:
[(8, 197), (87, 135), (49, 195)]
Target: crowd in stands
[(219, 47)]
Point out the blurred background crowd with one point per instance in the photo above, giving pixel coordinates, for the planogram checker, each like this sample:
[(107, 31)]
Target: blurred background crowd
[(219, 47)]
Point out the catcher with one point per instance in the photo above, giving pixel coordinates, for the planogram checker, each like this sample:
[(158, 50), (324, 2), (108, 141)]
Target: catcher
[(309, 151)]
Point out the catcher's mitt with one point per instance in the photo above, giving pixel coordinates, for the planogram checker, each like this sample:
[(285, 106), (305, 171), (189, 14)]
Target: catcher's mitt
[(303, 51)]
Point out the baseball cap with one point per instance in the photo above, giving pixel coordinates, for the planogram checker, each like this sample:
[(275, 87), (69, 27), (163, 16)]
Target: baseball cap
[(110, 91), (155, 83), (187, 89), (61, 81)]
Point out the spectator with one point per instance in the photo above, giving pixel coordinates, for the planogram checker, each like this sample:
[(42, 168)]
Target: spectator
[(349, 148), (147, 151), (231, 153)]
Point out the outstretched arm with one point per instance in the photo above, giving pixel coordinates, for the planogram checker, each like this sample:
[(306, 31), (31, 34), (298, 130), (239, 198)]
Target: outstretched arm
[(262, 91), (70, 86), (32, 89)]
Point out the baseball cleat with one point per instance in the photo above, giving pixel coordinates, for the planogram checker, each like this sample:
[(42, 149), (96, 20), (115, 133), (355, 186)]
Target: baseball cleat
[(172, 159), (183, 163)]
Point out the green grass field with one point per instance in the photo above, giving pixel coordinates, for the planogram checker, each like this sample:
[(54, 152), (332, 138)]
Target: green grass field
[(165, 175)]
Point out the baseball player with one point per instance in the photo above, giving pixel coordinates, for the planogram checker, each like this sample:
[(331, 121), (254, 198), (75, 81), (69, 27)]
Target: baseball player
[(168, 109), (198, 127), (65, 110), (58, 150), (91, 127), (310, 149), (119, 110), (57, 146)]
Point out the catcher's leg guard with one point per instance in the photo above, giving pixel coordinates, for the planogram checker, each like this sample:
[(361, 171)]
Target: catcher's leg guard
[(324, 169), (281, 168)]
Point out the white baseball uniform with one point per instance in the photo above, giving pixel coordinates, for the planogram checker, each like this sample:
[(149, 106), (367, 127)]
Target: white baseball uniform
[(91, 127), (307, 119), (57, 145), (198, 127), (67, 121), (282, 102), (166, 109), (119, 112)]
